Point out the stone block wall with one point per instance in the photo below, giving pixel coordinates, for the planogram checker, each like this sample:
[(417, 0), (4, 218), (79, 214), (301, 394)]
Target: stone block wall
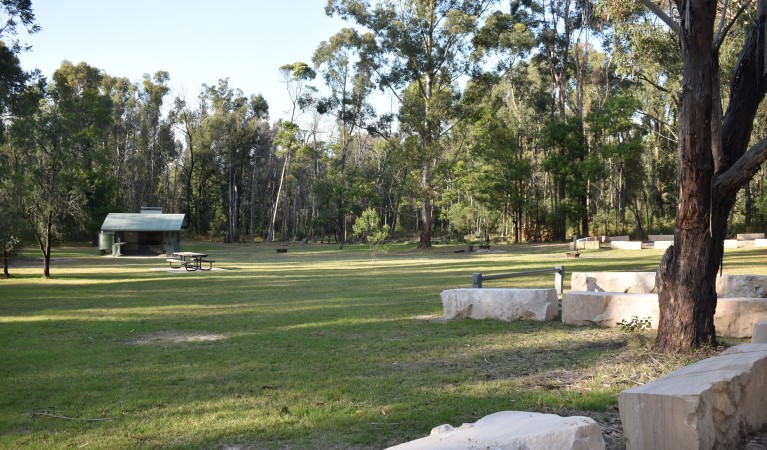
[(626, 282), (500, 303), (606, 309), (626, 245), (711, 404)]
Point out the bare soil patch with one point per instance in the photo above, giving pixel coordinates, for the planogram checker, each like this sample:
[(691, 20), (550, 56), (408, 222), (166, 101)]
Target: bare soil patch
[(175, 337)]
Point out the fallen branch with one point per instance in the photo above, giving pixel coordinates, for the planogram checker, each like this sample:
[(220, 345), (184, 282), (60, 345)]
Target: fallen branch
[(55, 414)]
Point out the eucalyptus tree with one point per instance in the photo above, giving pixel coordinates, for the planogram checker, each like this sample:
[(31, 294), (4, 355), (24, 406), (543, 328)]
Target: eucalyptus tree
[(296, 77), (349, 79), (563, 29), (617, 138), (15, 13), (287, 142), (59, 140), (12, 217), (14, 84), (716, 159), (123, 142), (648, 56), (11, 171), (156, 143), (224, 128), (418, 49)]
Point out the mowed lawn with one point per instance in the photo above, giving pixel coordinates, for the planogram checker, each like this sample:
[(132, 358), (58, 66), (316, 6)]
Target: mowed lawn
[(314, 348)]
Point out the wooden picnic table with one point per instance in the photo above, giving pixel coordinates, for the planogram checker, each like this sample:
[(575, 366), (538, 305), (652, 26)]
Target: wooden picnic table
[(191, 261)]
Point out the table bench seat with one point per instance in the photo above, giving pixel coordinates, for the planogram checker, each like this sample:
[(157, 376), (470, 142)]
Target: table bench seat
[(172, 261), (209, 261)]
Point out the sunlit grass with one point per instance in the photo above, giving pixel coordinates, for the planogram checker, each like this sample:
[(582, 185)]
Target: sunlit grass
[(314, 348)]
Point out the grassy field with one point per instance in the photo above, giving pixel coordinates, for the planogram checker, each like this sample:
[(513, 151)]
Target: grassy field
[(315, 348)]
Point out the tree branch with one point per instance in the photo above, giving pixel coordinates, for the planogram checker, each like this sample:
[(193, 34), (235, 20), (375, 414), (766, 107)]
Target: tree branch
[(663, 16), (642, 76), (731, 180), (724, 30)]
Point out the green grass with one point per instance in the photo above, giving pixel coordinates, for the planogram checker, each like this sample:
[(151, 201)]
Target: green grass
[(316, 348)]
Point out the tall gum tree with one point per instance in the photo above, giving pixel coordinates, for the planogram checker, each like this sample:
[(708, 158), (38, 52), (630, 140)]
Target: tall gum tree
[(350, 83), (418, 47), (715, 162)]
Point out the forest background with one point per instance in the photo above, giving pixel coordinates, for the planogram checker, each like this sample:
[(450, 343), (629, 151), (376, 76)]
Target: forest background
[(522, 120)]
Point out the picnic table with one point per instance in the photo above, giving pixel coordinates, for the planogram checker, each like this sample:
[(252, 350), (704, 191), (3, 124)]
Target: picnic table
[(191, 261)]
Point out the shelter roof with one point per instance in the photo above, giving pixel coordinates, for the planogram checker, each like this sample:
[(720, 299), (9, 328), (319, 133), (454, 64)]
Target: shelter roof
[(142, 222)]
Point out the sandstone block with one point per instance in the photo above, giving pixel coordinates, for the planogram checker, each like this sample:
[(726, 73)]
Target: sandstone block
[(736, 317), (730, 243), (617, 238), (660, 237), (742, 286), (608, 308), (711, 404), (749, 236), (627, 282), (584, 244), (760, 242), (500, 303), (662, 245), (626, 245), (514, 430), (643, 282), (759, 336)]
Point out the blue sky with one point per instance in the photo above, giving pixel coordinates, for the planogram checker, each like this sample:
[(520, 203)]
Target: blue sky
[(195, 41)]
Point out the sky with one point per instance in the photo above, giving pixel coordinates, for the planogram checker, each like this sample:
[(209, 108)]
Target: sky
[(196, 42)]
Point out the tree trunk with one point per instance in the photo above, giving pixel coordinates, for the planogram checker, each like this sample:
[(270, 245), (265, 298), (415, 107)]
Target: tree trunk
[(426, 211), (6, 259), (252, 211), (714, 166), (270, 236), (45, 245), (687, 277), (749, 205)]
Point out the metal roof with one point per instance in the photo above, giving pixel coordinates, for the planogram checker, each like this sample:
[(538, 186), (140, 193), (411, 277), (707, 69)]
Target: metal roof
[(142, 222)]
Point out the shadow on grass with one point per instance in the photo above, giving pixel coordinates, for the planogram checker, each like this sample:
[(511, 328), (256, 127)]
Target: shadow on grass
[(314, 354)]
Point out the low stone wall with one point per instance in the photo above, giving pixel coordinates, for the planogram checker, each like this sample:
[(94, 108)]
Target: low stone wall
[(500, 303), (711, 404), (660, 237), (617, 238), (760, 242), (734, 317), (626, 245), (730, 243), (737, 317), (606, 309), (584, 244), (514, 430), (662, 245), (749, 236), (631, 282), (754, 286)]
